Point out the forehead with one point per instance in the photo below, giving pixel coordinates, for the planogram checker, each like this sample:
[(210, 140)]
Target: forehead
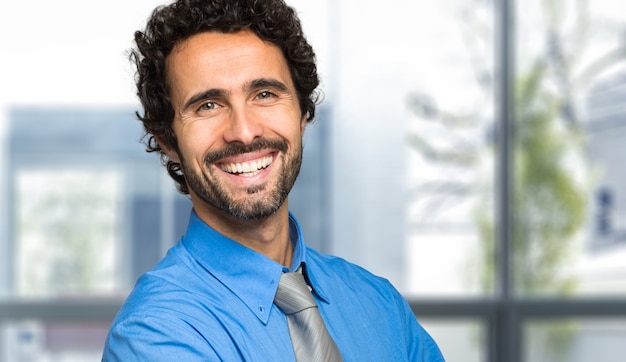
[(225, 60)]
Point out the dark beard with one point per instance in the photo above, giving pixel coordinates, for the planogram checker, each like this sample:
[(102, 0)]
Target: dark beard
[(247, 210)]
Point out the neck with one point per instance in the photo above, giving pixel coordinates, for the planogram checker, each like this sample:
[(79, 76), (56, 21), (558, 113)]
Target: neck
[(268, 236)]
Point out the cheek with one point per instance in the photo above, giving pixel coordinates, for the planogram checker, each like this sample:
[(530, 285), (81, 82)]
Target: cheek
[(288, 126), (293, 134), (195, 143)]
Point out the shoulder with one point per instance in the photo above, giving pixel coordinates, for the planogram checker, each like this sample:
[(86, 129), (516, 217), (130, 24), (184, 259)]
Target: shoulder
[(338, 279), (154, 321), (150, 328), (162, 285), (149, 337), (177, 288), (336, 269), (341, 280)]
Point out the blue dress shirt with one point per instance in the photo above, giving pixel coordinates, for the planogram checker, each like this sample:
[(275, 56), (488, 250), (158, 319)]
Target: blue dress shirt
[(211, 299)]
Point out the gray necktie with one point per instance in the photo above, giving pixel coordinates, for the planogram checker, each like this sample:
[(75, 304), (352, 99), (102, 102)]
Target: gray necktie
[(310, 339)]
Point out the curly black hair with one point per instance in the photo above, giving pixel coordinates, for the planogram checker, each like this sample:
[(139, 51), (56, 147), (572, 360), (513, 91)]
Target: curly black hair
[(271, 20)]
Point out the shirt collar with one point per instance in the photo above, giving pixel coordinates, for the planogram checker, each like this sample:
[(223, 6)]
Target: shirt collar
[(299, 257), (252, 276)]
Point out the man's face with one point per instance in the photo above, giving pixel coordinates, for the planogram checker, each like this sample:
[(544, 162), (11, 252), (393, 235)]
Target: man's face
[(237, 121)]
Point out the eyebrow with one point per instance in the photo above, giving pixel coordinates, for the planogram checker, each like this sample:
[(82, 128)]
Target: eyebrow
[(268, 83), (211, 93)]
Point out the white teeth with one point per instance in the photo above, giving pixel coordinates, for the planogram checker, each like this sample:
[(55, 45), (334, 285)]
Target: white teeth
[(248, 169)]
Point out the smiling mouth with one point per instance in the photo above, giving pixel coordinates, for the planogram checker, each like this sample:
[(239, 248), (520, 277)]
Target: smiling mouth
[(247, 169)]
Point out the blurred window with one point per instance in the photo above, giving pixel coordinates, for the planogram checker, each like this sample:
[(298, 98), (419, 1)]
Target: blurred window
[(86, 203), (575, 340)]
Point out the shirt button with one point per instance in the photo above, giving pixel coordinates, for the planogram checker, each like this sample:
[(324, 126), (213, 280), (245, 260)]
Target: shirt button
[(261, 309)]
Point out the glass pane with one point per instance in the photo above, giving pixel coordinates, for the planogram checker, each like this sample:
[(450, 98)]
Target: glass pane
[(570, 199), (575, 341), (410, 122), (67, 221), (450, 166), (31, 340), (459, 340)]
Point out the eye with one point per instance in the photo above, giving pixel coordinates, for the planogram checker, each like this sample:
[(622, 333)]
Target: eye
[(208, 106), (265, 95)]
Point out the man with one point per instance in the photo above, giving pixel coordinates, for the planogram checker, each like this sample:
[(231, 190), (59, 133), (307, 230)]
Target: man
[(227, 89)]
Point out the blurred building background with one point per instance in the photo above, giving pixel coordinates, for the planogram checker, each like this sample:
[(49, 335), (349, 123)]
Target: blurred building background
[(470, 151)]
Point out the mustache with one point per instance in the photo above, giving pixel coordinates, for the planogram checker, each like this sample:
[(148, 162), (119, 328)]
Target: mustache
[(234, 149)]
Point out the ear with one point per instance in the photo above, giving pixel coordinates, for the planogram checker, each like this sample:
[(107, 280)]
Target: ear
[(303, 122), (167, 148)]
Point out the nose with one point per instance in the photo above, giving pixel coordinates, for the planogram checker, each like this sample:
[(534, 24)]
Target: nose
[(243, 126)]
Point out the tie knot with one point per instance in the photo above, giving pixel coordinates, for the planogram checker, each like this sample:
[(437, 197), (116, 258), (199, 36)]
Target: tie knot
[(293, 295)]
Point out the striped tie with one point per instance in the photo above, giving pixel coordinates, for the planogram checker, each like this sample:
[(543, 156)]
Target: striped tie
[(310, 339)]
